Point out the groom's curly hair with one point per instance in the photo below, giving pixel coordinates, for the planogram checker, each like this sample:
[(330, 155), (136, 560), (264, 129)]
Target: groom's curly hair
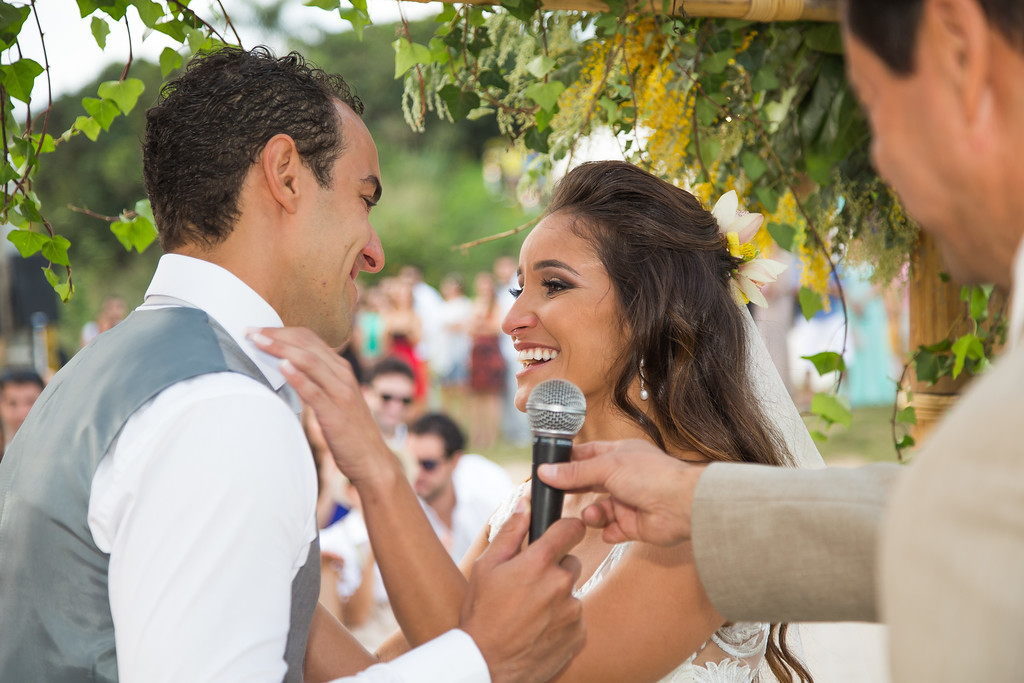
[(670, 268)]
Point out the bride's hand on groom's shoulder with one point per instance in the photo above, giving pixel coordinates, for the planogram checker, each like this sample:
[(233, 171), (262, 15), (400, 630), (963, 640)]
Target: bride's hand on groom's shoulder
[(650, 493)]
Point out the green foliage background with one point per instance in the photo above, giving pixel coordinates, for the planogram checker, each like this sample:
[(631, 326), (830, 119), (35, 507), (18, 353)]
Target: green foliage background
[(434, 194)]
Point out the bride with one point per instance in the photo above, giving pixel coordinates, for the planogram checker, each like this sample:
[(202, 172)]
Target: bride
[(629, 289)]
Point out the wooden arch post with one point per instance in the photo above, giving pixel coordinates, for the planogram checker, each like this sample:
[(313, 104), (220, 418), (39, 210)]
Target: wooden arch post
[(936, 311)]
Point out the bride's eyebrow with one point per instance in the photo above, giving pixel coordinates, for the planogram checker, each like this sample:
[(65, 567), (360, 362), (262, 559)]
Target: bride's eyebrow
[(554, 263)]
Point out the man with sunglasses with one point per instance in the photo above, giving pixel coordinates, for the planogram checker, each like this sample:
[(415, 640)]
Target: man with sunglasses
[(389, 392), (457, 506)]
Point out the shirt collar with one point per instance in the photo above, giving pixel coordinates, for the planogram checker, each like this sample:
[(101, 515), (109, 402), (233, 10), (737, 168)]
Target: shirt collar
[(1017, 298), (225, 298)]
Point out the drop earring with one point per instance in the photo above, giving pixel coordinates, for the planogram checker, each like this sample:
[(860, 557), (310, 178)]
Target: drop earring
[(643, 390)]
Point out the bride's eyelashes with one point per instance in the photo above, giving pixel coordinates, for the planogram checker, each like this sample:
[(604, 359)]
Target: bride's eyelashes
[(551, 285), (555, 285)]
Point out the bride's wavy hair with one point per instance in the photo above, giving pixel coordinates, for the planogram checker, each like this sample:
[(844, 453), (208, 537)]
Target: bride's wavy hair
[(671, 270)]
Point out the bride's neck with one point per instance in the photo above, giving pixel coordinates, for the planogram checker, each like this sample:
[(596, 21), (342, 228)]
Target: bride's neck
[(606, 423)]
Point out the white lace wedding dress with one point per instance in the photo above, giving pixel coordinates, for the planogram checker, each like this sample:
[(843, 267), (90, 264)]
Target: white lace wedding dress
[(734, 652)]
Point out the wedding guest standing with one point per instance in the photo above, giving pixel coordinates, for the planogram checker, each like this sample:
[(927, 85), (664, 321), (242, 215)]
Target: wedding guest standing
[(487, 366)]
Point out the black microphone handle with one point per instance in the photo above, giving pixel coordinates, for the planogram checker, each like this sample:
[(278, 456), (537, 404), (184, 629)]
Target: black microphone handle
[(546, 502)]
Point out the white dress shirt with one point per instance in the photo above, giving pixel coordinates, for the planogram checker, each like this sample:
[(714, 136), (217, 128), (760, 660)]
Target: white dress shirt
[(206, 506)]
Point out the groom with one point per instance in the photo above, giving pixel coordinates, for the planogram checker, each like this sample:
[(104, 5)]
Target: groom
[(942, 82), (157, 506)]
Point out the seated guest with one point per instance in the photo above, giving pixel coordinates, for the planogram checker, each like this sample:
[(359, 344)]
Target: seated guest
[(19, 389), (456, 507)]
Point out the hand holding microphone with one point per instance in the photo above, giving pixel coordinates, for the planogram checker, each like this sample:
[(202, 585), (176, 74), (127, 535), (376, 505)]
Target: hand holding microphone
[(556, 410)]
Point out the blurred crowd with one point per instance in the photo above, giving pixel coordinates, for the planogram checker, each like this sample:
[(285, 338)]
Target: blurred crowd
[(438, 375)]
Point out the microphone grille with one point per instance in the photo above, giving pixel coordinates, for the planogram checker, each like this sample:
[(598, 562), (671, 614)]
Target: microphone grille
[(556, 406)]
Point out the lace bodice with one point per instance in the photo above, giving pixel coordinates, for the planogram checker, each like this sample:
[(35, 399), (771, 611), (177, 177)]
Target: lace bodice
[(732, 655)]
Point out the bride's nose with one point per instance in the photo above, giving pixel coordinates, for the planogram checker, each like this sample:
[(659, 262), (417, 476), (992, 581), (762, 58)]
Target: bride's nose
[(518, 318)]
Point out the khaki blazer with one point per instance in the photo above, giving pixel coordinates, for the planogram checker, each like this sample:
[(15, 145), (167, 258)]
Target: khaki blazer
[(935, 550)]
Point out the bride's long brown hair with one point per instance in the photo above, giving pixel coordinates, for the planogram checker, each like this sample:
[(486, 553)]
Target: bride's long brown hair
[(670, 269)]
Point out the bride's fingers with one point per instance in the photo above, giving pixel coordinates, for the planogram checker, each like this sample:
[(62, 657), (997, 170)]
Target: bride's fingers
[(309, 358)]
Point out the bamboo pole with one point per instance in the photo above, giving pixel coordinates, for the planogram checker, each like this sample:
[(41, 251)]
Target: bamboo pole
[(754, 10)]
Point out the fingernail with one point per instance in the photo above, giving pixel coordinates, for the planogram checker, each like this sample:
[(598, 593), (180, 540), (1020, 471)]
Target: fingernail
[(520, 505), (258, 338), (287, 367)]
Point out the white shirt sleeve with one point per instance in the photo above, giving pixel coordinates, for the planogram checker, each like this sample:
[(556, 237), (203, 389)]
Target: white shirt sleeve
[(206, 506), (449, 658)]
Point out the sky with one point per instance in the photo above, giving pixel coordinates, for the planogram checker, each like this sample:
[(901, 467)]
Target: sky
[(75, 58)]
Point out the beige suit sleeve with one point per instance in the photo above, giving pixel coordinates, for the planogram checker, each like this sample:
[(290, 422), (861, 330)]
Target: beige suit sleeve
[(784, 545)]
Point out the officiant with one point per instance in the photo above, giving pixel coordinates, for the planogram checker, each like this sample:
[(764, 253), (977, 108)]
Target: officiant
[(935, 550)]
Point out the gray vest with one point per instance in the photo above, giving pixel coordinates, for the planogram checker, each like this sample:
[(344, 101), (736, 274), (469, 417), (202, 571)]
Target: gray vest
[(55, 622)]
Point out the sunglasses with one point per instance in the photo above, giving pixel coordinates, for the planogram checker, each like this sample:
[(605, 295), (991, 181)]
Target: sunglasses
[(429, 465), (388, 398)]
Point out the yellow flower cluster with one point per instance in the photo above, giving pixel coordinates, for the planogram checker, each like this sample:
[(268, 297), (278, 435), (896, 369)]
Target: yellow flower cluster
[(815, 270)]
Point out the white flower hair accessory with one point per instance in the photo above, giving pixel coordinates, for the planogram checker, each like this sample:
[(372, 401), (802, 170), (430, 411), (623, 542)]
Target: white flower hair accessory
[(754, 272)]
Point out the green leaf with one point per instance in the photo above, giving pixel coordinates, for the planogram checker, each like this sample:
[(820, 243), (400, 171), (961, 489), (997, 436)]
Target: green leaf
[(149, 11), (541, 66), (27, 241), (64, 289), (709, 149), (966, 346), (926, 367), (545, 94), (88, 125), (782, 234), (100, 31), (544, 118), (329, 5), (459, 103), (764, 79), (979, 302), (103, 111), (358, 17), (11, 20), (481, 41), (490, 78), (17, 78), (769, 199), (826, 362), (48, 144), (706, 111), (819, 435), (906, 442), (907, 416), (196, 39), (825, 38), (832, 409), (611, 109), (56, 250), (138, 232), (446, 15), (522, 10), (169, 61), (810, 302), (753, 165), (717, 62), (408, 55), (124, 93), (537, 140)]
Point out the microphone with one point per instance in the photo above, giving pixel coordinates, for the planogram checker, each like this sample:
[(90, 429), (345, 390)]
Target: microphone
[(556, 409)]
